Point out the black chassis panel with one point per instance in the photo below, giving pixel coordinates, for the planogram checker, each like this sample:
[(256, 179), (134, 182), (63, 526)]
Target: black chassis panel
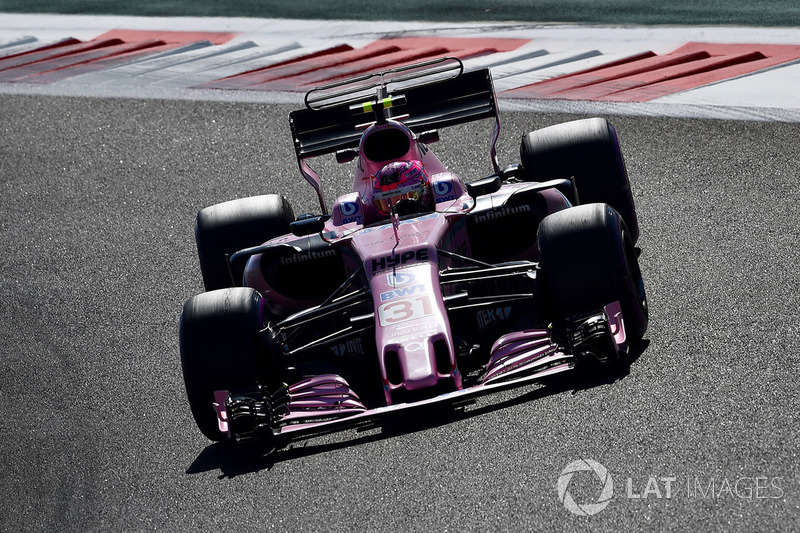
[(483, 304), (503, 226)]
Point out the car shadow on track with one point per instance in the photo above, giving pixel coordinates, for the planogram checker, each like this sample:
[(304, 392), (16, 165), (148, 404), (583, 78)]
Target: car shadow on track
[(235, 460)]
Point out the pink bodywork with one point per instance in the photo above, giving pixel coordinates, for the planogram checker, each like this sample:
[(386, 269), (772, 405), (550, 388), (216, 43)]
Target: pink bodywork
[(401, 264), (409, 311), (613, 312)]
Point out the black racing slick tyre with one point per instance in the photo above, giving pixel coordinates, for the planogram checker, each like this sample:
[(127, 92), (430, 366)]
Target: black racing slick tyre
[(220, 349), (231, 226), (588, 261), (587, 150)]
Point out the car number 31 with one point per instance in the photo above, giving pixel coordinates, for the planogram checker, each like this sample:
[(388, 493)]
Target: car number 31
[(398, 311)]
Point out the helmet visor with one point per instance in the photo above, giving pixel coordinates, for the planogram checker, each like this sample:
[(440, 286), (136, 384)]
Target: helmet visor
[(384, 200)]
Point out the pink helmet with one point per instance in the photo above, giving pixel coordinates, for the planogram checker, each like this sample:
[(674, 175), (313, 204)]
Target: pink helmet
[(400, 180)]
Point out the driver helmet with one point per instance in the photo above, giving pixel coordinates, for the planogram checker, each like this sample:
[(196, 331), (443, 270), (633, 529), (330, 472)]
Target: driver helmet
[(400, 180)]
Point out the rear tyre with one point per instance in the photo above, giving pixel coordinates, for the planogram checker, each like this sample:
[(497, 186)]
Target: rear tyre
[(221, 349), (231, 226), (587, 150), (588, 261)]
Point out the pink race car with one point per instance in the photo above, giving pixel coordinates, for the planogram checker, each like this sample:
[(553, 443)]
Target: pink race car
[(417, 287)]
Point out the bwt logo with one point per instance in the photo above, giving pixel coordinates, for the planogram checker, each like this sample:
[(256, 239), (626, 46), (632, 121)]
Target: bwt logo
[(397, 279), (604, 478), (350, 211), (399, 293), (444, 191), (391, 261)]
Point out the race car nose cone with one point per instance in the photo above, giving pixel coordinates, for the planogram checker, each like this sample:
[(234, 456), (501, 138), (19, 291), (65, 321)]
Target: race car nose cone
[(417, 365)]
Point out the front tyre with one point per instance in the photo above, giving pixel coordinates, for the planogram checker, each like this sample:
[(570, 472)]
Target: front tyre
[(221, 349), (226, 228), (588, 261), (587, 150)]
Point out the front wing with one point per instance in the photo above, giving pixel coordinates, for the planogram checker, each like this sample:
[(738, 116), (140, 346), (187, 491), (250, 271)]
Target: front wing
[(325, 403)]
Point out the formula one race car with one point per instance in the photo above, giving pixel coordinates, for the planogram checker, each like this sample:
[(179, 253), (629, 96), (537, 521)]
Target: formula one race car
[(416, 288)]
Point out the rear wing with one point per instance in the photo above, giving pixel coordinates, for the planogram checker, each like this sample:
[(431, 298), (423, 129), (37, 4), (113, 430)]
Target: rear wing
[(425, 96)]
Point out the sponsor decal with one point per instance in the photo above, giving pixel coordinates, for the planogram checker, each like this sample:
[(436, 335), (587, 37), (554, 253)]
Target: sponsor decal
[(395, 260), (401, 292), (405, 333), (443, 191), (352, 346), (417, 346), (490, 316), (502, 213), (398, 279), (350, 211), (302, 258)]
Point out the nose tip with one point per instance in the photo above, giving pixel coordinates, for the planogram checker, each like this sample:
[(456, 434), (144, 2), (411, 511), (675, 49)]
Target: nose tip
[(418, 365)]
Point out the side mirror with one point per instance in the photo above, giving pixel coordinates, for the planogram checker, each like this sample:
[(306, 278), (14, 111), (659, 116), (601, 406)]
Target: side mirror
[(512, 171), (485, 186), (308, 225), (345, 156)]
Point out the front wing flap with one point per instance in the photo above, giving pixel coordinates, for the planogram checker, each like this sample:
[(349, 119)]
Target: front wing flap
[(326, 403)]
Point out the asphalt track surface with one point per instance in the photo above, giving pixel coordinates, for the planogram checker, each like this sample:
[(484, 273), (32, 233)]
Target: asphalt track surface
[(96, 211)]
